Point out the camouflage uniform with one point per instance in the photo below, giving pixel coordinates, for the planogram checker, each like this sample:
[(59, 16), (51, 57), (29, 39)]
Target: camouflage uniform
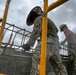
[(52, 48), (71, 40)]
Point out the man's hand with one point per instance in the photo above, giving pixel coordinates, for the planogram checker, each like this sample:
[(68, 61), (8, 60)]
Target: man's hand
[(26, 47)]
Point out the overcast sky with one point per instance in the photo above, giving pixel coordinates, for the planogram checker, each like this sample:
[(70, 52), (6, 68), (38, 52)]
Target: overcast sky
[(19, 9)]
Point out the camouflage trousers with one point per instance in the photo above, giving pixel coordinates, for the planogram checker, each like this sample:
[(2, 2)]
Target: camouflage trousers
[(52, 55), (74, 72), (73, 62)]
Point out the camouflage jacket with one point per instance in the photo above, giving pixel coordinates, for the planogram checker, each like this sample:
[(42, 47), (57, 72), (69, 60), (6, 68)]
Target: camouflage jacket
[(70, 38), (36, 33)]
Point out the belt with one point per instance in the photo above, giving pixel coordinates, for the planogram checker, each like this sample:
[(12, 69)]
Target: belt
[(49, 36)]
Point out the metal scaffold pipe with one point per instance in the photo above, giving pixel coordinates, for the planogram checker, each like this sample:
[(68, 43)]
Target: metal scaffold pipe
[(44, 33), (55, 4), (43, 43), (4, 21)]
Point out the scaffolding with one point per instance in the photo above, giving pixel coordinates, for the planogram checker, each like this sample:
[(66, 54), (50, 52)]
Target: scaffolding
[(14, 32), (44, 32)]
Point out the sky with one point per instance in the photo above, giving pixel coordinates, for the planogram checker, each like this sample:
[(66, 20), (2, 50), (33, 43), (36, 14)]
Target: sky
[(19, 10)]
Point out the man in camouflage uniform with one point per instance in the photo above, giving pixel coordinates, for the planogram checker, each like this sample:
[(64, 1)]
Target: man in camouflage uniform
[(71, 41), (35, 17)]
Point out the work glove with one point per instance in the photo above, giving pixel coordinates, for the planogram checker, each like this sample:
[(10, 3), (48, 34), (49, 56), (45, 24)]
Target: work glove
[(26, 47), (0, 19)]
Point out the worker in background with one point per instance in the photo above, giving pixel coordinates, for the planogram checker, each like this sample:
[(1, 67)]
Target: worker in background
[(71, 44), (35, 17)]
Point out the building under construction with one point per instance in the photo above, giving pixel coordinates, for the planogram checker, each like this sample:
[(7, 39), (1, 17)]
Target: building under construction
[(13, 59)]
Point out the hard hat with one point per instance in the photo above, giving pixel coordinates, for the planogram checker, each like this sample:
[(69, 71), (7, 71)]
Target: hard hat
[(35, 12), (61, 26)]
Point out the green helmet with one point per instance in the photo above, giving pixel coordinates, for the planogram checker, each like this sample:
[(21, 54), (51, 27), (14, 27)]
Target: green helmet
[(35, 12)]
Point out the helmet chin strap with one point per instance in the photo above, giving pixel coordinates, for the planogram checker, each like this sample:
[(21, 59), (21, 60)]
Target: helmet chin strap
[(36, 16)]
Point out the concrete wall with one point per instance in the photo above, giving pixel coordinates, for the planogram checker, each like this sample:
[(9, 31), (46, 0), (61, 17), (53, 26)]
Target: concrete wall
[(14, 62)]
